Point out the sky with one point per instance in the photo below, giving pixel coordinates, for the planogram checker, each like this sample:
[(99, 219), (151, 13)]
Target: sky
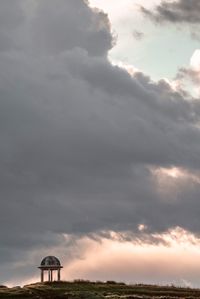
[(100, 140)]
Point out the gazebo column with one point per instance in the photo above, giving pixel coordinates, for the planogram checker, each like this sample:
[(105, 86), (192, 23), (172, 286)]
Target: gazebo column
[(42, 275), (49, 275), (58, 274)]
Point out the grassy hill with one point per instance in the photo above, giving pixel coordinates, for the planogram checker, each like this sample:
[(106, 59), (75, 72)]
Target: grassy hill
[(96, 290)]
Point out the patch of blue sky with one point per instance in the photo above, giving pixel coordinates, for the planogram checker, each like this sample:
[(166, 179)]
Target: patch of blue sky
[(159, 54)]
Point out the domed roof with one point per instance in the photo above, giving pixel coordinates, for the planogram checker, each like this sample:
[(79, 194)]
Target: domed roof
[(51, 261)]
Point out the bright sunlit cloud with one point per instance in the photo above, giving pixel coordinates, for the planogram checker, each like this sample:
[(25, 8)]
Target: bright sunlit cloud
[(121, 6), (176, 173), (195, 60)]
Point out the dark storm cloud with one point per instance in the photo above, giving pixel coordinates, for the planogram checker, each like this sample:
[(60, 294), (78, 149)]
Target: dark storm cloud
[(11, 17), (70, 24), (78, 135), (180, 11)]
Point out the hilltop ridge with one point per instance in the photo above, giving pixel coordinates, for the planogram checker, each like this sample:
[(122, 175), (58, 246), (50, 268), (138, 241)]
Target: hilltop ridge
[(81, 289)]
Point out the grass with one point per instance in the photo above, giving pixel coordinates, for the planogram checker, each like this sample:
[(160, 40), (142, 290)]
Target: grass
[(81, 289)]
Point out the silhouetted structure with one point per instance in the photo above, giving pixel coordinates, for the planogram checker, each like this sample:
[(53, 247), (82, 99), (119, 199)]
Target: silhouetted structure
[(50, 264)]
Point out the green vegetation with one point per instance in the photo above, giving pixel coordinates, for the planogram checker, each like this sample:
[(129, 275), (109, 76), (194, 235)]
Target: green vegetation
[(81, 289)]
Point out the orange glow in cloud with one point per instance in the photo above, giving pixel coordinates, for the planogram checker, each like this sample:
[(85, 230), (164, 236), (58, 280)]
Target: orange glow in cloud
[(172, 172), (170, 257), (170, 182), (176, 261)]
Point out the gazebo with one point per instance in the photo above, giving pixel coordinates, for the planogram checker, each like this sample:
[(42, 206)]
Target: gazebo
[(50, 264)]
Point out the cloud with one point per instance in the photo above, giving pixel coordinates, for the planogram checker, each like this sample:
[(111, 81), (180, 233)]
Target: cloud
[(80, 137), (138, 35), (191, 74), (180, 11), (133, 263), (11, 18), (61, 27), (121, 258)]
